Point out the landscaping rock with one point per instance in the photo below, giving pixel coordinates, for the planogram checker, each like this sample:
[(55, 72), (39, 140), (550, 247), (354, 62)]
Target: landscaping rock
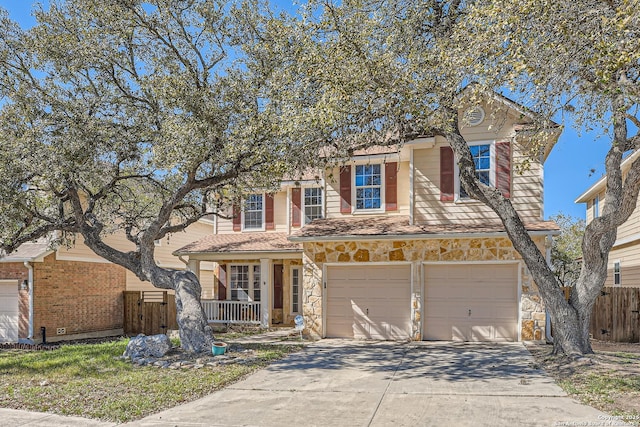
[(144, 346)]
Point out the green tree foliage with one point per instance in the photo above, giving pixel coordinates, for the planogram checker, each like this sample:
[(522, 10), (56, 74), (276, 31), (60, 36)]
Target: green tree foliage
[(138, 117), (566, 251)]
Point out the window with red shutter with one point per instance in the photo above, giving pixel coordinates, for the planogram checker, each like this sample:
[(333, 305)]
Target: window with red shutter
[(345, 189), (503, 168), (391, 186), (447, 174), (296, 207)]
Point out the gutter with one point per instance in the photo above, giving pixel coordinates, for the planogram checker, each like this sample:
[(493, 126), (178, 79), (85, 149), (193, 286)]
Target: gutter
[(31, 316), (547, 322)]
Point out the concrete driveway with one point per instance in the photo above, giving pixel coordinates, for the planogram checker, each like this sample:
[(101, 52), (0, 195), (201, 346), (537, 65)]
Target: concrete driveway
[(347, 383)]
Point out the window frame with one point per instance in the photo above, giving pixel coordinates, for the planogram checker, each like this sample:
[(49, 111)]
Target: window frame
[(297, 268), (492, 171), (596, 206), (251, 282), (303, 205), (354, 188), (263, 216), (617, 275)]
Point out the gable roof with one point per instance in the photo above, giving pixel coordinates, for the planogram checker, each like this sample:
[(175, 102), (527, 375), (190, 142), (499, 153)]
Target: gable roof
[(240, 243), (28, 252), (600, 185), (392, 227)]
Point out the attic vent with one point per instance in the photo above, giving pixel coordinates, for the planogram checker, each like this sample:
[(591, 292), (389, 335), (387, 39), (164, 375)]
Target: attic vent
[(474, 116)]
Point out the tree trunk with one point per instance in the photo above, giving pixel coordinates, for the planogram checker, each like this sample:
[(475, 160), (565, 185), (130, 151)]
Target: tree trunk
[(195, 333)]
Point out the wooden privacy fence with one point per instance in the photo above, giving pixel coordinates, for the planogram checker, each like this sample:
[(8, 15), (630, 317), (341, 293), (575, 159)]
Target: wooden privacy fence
[(616, 315), (149, 312)]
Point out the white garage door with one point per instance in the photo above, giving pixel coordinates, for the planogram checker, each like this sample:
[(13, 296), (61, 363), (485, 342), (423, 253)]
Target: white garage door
[(466, 302), (8, 310), (369, 302)]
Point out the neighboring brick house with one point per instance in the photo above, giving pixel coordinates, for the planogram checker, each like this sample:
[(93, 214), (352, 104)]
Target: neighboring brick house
[(624, 257), (389, 246), (74, 293)]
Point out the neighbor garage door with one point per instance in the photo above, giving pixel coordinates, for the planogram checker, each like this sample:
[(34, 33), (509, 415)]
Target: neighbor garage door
[(8, 310), (470, 302), (369, 302)]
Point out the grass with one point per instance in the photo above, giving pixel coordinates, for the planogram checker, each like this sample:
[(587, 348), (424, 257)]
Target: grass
[(89, 380), (608, 380)]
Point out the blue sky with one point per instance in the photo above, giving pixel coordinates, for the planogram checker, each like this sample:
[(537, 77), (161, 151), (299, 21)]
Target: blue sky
[(568, 170)]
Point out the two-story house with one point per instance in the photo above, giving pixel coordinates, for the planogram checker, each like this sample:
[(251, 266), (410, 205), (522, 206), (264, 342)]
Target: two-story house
[(389, 245), (624, 257)]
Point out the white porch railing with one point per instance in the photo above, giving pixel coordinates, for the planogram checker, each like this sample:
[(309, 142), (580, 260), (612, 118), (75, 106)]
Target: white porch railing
[(238, 312)]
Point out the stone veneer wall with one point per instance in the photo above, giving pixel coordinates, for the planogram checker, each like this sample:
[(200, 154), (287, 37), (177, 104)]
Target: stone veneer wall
[(317, 254)]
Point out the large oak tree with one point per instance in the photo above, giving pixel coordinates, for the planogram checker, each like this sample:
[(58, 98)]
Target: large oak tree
[(135, 117)]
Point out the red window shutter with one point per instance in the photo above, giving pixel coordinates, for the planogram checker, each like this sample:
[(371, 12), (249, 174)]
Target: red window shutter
[(345, 189), (391, 186), (237, 217), (296, 207), (268, 212), (447, 178), (222, 282), (503, 168)]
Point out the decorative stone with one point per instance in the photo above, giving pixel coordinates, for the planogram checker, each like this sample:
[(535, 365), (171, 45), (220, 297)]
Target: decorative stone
[(320, 257), (361, 255), (527, 330), (344, 257), (147, 346), (396, 255)]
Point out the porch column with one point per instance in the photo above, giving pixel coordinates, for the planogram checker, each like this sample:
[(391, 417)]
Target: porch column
[(265, 292), (194, 267)]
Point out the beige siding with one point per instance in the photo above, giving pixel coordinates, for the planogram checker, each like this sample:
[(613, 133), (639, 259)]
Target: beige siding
[(526, 189), (333, 192), (629, 257)]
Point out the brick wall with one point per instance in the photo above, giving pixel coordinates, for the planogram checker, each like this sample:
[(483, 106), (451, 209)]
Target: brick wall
[(81, 297)]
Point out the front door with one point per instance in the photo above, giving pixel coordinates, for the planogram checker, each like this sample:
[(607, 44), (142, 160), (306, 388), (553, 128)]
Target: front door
[(277, 286)]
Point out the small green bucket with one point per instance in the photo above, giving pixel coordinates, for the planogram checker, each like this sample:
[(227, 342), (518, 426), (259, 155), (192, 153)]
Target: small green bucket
[(218, 348)]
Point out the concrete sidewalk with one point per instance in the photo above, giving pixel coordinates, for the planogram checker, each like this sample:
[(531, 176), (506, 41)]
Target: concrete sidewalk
[(337, 382)]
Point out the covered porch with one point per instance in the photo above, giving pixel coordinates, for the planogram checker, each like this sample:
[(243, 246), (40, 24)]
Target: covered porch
[(257, 277)]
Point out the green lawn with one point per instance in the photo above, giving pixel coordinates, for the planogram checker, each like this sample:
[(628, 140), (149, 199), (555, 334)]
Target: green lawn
[(89, 380)]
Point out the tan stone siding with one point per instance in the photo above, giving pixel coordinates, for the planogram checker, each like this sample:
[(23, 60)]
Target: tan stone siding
[(82, 297), (416, 251)]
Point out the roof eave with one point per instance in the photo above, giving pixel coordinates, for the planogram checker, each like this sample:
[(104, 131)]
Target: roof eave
[(420, 236)]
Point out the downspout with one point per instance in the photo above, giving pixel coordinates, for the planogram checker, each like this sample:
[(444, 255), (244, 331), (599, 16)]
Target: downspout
[(29, 267), (547, 324)]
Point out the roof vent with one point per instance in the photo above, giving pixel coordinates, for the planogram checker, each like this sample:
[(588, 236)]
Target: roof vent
[(474, 116)]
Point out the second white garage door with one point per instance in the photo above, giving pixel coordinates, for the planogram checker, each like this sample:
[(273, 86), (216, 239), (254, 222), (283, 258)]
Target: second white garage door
[(471, 302), (369, 302), (8, 310)]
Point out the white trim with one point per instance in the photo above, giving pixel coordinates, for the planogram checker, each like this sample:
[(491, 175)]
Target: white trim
[(411, 188), (264, 209), (10, 282), (250, 290), (518, 301), (627, 240), (381, 209), (361, 264), (619, 262), (303, 206), (299, 268), (492, 171)]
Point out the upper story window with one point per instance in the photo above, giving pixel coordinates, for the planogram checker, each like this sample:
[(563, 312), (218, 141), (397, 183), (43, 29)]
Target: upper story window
[(368, 186), (312, 204), (253, 212), (596, 207), (481, 154)]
